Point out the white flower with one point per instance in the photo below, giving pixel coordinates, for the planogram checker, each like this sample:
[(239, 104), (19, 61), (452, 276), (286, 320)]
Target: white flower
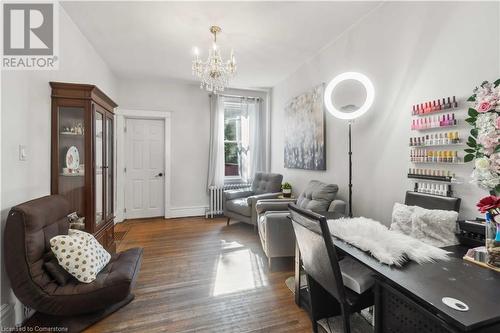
[(482, 163), (486, 123), (485, 178)]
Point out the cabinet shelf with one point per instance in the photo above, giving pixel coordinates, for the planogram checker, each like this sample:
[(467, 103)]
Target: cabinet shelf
[(72, 174), (65, 134)]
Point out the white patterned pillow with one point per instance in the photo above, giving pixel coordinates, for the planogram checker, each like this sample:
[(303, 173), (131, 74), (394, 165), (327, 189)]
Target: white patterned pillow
[(401, 218), (434, 226), (80, 254)]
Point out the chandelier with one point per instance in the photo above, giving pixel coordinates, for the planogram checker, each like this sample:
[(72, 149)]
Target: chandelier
[(214, 73)]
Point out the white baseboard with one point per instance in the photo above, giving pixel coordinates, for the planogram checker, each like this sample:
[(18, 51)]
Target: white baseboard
[(187, 211), (7, 316)]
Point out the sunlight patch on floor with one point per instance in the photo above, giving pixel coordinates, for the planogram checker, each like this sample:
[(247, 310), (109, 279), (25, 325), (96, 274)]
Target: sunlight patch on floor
[(238, 269)]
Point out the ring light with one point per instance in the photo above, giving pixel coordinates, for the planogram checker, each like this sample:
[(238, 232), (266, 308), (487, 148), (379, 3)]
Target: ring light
[(370, 95)]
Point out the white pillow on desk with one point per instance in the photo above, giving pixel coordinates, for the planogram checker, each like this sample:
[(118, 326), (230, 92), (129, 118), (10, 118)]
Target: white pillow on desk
[(434, 226), (401, 218)]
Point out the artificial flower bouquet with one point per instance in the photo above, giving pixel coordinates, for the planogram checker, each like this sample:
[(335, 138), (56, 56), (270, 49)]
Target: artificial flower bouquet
[(490, 206), (484, 141)]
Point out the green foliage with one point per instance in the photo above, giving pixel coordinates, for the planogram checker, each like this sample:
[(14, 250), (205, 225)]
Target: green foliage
[(472, 142), (468, 157), (230, 131), (470, 151), (472, 113), (496, 83), (497, 149), (286, 186), (471, 121), (230, 153), (472, 98), (474, 132)]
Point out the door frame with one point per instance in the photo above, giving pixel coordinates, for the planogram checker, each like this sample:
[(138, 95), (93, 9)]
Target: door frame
[(121, 120)]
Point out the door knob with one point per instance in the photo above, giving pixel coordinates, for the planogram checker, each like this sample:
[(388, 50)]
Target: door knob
[(160, 175)]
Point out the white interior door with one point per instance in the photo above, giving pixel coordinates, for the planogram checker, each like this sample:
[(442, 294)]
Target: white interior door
[(145, 168)]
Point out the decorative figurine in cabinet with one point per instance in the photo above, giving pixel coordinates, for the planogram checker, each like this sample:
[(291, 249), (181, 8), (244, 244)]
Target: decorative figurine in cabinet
[(82, 156)]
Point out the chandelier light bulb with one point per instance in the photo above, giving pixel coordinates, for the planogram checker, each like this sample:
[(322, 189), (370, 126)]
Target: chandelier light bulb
[(196, 51)]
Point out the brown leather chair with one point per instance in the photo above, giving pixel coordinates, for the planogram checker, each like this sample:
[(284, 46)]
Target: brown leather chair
[(28, 230)]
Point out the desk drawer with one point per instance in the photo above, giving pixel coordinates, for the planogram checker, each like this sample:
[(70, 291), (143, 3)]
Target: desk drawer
[(396, 313)]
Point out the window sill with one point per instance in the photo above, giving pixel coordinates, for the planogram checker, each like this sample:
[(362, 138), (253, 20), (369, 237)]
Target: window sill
[(233, 180)]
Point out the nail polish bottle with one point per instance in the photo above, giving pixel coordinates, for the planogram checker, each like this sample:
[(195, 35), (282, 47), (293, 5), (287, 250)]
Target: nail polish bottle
[(455, 104), (439, 104), (444, 104), (434, 106), (449, 103)]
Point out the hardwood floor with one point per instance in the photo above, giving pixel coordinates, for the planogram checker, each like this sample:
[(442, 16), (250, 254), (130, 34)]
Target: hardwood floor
[(200, 275)]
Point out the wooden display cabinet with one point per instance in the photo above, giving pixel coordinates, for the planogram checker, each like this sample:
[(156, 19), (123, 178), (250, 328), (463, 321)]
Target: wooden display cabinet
[(82, 155)]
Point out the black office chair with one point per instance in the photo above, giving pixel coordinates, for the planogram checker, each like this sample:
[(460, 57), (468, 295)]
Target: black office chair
[(331, 287)]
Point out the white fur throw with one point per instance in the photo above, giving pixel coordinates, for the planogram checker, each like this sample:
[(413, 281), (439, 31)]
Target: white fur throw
[(387, 246)]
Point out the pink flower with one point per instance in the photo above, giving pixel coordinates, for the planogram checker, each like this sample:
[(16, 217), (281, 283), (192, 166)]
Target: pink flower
[(497, 123), (484, 107), (495, 162), (489, 142)]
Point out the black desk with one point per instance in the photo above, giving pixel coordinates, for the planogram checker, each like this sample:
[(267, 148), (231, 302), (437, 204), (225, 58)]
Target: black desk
[(425, 285)]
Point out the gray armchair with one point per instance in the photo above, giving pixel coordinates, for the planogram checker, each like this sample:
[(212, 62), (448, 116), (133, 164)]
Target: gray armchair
[(275, 229), (240, 204)]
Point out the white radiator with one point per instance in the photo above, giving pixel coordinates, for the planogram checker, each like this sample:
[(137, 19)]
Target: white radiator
[(216, 198)]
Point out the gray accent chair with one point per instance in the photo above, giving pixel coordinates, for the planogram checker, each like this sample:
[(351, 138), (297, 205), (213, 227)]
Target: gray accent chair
[(275, 228), (240, 204)]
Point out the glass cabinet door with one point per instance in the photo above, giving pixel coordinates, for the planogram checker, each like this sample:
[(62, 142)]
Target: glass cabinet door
[(109, 166), (99, 173), (71, 156)]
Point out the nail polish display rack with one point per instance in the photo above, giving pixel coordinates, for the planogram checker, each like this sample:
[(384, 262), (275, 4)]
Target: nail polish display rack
[(424, 119)]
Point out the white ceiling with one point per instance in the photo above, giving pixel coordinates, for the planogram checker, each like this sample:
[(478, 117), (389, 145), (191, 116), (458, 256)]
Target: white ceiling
[(155, 39)]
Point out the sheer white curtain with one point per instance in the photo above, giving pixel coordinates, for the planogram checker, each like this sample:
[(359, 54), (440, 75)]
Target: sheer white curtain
[(252, 138), (216, 149), (257, 151)]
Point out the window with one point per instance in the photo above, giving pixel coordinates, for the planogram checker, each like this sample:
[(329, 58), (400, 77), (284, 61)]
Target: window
[(236, 137)]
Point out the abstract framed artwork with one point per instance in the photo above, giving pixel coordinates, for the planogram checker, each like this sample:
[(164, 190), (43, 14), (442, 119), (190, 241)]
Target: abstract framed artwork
[(305, 131)]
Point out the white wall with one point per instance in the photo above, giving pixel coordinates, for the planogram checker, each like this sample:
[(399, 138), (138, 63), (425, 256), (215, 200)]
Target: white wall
[(190, 134), (413, 52), (26, 120)]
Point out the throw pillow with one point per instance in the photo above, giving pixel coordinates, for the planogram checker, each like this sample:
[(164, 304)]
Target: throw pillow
[(401, 218), (59, 274), (434, 227), (80, 254)]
